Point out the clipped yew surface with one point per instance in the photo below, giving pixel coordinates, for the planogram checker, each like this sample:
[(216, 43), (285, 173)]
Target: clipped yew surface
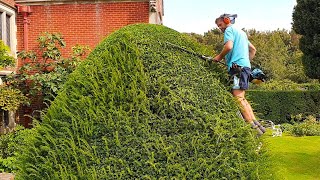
[(140, 109)]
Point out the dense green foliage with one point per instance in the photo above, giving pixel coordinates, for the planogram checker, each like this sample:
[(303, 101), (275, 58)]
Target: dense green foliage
[(306, 21), (305, 126), (285, 85), (281, 106), (9, 147), (11, 99), (140, 109), (278, 55), (5, 58)]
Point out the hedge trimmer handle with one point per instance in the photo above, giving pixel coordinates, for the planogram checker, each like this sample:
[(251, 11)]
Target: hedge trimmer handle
[(207, 58)]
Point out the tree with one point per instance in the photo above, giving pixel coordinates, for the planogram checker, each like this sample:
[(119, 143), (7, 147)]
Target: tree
[(44, 71), (214, 38), (306, 22), (274, 52)]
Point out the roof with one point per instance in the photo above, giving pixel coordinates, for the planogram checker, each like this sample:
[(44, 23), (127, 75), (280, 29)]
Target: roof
[(42, 2)]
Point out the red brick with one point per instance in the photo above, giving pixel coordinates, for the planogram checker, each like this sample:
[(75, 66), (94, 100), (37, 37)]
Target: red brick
[(82, 19), (10, 3), (85, 24)]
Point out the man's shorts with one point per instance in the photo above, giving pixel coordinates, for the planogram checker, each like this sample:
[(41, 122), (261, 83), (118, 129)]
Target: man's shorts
[(240, 80)]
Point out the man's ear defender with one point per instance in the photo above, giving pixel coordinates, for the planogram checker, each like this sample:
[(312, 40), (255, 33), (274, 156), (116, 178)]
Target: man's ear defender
[(226, 20)]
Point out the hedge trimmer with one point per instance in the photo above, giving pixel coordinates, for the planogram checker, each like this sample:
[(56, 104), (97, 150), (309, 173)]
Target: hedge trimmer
[(206, 58), (257, 74)]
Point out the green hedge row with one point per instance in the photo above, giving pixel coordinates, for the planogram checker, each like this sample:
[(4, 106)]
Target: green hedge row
[(280, 106), (138, 108)]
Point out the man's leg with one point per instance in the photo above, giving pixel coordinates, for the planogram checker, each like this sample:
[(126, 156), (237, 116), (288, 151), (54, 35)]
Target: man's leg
[(263, 129), (246, 109)]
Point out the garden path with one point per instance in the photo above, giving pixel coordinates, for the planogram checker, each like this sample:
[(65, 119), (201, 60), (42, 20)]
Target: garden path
[(6, 176)]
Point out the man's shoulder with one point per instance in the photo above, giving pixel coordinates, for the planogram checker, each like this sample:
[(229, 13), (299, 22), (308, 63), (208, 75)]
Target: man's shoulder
[(229, 28), (238, 31), (233, 29)]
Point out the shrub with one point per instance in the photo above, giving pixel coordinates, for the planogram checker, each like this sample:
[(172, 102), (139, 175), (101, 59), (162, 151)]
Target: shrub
[(309, 127), (9, 147), (5, 58), (281, 106), (286, 85), (140, 109), (11, 99), (44, 71), (286, 127)]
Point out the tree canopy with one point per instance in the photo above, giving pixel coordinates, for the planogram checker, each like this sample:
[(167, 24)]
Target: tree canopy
[(306, 21)]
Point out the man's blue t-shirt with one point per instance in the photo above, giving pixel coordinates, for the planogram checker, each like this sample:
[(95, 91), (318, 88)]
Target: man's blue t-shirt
[(239, 54)]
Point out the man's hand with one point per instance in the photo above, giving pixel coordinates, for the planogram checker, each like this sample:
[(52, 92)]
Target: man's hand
[(252, 51), (218, 58)]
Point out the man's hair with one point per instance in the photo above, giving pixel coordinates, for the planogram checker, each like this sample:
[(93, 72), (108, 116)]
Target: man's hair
[(219, 19)]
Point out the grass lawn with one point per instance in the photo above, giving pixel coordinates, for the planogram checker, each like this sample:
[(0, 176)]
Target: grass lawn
[(294, 157)]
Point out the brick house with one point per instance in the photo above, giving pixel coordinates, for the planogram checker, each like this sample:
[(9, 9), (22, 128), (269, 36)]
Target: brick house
[(84, 22)]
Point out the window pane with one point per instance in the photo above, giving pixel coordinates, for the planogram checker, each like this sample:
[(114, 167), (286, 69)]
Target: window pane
[(0, 26), (8, 30), (1, 117), (6, 118)]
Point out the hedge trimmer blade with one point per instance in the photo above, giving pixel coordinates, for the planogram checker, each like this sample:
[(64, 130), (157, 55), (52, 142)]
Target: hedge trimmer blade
[(184, 50), (203, 57), (257, 74)]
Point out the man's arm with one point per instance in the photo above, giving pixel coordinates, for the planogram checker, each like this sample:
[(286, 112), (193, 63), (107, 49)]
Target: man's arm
[(226, 48), (252, 51)]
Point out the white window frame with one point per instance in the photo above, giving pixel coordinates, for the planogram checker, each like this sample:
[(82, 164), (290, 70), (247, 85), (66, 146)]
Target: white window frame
[(13, 28), (7, 11)]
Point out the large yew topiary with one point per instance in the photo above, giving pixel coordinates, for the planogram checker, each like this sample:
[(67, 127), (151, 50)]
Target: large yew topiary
[(140, 109)]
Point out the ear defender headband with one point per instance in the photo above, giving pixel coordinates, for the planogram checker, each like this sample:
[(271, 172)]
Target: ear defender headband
[(229, 18)]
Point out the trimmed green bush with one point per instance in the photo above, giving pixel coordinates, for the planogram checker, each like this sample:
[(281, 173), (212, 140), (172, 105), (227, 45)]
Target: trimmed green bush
[(9, 147), (140, 109), (286, 85), (309, 127), (281, 106)]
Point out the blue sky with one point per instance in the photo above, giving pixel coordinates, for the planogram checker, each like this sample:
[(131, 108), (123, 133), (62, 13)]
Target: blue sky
[(198, 16)]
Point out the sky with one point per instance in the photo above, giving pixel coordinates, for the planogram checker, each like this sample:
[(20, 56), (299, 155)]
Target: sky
[(198, 16)]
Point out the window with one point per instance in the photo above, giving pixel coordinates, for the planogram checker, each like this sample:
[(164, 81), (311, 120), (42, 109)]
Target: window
[(8, 27), (4, 118), (8, 36)]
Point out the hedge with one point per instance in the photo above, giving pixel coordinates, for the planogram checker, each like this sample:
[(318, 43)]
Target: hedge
[(280, 106), (140, 109)]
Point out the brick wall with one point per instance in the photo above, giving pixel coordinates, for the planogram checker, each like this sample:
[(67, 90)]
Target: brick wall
[(85, 24), (11, 3)]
